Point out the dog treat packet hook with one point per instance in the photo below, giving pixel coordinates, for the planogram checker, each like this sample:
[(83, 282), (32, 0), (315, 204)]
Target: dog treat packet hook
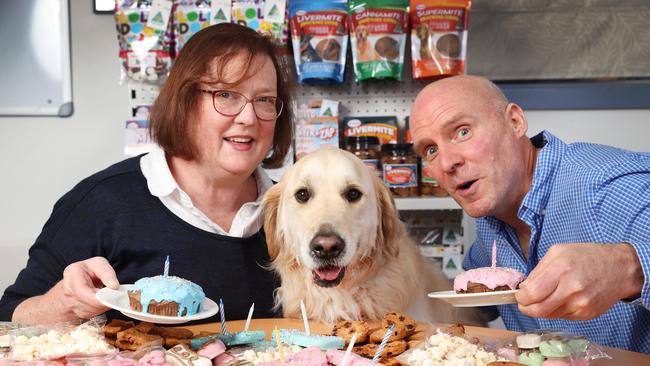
[(378, 38), (319, 34), (438, 37)]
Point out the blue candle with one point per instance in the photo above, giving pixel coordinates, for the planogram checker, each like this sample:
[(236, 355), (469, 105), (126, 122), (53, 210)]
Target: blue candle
[(382, 345)]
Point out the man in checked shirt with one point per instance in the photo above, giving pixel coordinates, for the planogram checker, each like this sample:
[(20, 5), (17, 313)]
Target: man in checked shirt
[(575, 218)]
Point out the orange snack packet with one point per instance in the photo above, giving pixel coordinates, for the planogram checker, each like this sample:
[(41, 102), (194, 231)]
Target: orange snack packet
[(438, 37)]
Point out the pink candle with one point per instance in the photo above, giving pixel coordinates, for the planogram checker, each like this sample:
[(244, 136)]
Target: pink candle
[(494, 254)]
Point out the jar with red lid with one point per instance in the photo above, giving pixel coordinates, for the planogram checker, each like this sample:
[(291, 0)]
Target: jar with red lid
[(400, 169)]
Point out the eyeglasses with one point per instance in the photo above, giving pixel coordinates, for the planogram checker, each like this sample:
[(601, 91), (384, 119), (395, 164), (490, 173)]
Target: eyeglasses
[(230, 103)]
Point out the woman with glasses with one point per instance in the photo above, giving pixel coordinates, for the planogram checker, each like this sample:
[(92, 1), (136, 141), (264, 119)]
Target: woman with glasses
[(221, 115)]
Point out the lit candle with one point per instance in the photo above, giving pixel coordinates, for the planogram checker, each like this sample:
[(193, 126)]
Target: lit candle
[(304, 317), (248, 318)]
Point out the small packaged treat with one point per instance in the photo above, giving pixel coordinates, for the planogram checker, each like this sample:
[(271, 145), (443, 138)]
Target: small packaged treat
[(144, 33), (548, 347), (439, 37), (319, 34), (190, 16), (378, 38)]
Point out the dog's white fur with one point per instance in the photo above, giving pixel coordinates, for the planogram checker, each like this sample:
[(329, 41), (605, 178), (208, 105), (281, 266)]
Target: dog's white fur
[(384, 269)]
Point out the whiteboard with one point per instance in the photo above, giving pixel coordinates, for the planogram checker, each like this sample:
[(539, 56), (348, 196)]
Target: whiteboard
[(35, 72)]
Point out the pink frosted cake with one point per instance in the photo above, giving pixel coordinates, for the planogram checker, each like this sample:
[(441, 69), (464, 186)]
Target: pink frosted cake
[(487, 279)]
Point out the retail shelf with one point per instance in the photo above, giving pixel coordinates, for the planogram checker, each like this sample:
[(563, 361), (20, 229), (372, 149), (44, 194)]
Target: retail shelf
[(426, 203)]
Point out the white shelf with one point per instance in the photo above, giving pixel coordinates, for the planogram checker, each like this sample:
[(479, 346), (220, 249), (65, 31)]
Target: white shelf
[(426, 203)]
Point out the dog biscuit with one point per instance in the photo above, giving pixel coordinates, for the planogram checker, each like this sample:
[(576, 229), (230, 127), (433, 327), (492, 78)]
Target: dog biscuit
[(345, 329), (392, 349)]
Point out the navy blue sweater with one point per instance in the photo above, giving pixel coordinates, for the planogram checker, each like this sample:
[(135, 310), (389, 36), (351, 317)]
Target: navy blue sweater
[(113, 215)]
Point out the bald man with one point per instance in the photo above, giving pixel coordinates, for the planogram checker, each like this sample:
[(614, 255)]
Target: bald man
[(574, 217)]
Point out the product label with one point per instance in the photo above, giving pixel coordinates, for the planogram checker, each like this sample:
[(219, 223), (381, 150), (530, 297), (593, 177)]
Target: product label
[(400, 175)]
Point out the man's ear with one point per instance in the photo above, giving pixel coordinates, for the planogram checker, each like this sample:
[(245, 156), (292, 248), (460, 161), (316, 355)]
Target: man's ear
[(516, 118)]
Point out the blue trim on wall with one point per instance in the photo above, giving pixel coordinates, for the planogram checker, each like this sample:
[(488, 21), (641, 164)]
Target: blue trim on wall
[(615, 94)]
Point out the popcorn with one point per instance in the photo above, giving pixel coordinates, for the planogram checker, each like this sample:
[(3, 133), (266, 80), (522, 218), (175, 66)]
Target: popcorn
[(443, 349), (83, 339), (268, 355)]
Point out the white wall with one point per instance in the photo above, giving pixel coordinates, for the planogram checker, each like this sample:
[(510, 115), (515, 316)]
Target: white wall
[(42, 158)]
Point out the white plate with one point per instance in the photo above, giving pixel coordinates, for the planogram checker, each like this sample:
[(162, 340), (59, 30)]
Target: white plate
[(476, 299), (119, 300)]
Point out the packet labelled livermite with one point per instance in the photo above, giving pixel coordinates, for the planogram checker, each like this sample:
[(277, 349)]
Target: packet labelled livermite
[(378, 37), (319, 34), (439, 37)]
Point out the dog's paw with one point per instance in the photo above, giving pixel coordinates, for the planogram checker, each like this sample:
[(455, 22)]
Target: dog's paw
[(345, 329)]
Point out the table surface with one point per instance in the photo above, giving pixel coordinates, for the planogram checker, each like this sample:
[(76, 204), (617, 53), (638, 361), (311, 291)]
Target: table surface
[(619, 356)]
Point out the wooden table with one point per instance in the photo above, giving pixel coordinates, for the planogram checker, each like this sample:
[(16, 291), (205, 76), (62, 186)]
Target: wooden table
[(619, 357)]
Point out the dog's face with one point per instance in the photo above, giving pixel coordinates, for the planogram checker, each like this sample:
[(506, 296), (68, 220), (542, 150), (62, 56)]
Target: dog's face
[(325, 215), (422, 31), (361, 34)]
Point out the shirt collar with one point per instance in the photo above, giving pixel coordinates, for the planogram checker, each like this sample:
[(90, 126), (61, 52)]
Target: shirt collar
[(161, 182), (548, 159)]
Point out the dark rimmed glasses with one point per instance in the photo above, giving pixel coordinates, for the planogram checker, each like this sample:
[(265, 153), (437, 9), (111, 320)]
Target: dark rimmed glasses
[(231, 103)]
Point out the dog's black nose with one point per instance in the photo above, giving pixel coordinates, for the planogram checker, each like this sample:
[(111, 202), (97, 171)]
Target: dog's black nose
[(326, 246)]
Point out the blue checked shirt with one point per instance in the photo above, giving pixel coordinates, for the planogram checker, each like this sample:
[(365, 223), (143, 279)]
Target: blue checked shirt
[(580, 193)]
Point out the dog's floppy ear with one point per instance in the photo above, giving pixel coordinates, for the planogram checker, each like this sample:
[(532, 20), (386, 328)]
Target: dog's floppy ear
[(271, 202), (389, 227)]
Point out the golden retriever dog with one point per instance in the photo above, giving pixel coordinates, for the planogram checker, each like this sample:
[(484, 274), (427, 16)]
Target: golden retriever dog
[(365, 50), (335, 238), (424, 34)]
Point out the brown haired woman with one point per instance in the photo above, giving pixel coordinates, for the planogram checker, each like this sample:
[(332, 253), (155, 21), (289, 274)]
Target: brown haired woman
[(196, 197)]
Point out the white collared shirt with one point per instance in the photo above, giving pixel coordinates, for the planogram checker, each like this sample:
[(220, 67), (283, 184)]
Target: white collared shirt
[(161, 183)]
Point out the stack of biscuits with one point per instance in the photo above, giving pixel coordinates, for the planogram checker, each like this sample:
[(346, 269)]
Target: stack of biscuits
[(125, 335), (403, 337)]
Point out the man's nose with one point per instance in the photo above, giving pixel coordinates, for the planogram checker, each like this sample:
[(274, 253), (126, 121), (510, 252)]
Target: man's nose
[(449, 160)]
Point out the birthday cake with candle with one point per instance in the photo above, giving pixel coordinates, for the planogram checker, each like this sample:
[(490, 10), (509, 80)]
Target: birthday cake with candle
[(166, 295), (488, 279)]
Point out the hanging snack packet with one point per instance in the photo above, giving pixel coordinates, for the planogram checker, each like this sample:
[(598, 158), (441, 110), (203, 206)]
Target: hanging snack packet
[(190, 16), (144, 37), (439, 37), (378, 36), (268, 17), (319, 35)]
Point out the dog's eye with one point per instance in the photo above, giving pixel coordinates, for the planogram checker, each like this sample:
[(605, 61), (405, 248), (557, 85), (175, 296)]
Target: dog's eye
[(353, 195), (302, 195)]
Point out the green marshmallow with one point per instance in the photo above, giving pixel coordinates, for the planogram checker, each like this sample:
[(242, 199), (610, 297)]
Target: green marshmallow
[(531, 358), (578, 345), (554, 348)]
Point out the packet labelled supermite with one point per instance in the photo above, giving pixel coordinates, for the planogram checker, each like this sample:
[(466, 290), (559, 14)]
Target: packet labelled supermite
[(439, 37), (384, 128), (319, 33), (378, 37)]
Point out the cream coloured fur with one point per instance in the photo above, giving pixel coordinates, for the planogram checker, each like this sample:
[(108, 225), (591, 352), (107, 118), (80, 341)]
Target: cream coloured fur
[(384, 269)]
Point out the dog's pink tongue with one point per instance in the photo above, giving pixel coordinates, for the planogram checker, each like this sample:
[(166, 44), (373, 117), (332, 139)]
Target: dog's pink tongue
[(328, 273)]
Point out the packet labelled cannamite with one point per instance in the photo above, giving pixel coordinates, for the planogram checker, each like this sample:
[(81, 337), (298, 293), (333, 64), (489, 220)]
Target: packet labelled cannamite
[(378, 37), (439, 37), (319, 35)]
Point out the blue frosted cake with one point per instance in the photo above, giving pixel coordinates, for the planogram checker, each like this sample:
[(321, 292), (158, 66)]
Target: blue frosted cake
[(166, 295)]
